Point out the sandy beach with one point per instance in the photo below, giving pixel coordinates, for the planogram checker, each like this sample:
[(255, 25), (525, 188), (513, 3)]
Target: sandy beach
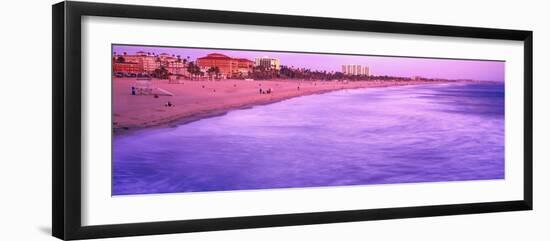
[(194, 100)]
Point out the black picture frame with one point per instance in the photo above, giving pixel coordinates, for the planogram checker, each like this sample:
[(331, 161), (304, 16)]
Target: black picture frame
[(66, 128)]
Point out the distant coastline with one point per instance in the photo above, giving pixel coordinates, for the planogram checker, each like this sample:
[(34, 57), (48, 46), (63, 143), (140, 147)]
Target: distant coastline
[(195, 100)]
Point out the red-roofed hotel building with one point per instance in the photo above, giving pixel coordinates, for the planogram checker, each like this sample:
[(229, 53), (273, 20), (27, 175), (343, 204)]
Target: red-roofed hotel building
[(229, 67)]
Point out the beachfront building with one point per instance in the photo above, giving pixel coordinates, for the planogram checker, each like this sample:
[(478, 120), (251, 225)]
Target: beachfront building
[(176, 68), (355, 69), (146, 61), (127, 67), (229, 67), (164, 57), (244, 66), (268, 63), (173, 64)]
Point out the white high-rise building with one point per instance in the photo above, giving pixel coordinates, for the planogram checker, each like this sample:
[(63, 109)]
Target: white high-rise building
[(355, 69), (267, 62)]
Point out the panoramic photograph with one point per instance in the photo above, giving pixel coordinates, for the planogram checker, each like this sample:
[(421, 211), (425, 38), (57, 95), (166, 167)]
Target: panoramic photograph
[(189, 119)]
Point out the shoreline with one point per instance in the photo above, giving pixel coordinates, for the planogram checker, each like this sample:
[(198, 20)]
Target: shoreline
[(186, 115), (186, 119)]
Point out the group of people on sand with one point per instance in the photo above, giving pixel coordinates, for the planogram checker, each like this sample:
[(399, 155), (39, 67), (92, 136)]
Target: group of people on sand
[(266, 91), (169, 104)]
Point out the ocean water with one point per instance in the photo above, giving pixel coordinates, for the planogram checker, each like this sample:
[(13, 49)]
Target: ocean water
[(408, 134)]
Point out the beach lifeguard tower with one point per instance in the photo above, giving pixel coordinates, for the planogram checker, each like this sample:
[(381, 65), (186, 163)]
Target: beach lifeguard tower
[(144, 86)]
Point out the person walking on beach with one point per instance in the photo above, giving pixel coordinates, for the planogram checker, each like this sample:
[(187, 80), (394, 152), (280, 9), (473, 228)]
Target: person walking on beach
[(260, 91), (133, 90)]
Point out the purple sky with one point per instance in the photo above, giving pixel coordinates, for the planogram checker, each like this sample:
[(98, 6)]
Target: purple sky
[(394, 66)]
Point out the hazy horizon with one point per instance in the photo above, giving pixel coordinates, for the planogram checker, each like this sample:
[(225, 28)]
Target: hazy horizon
[(486, 70)]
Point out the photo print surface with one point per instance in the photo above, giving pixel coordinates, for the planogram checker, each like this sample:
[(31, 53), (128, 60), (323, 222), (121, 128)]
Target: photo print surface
[(188, 119)]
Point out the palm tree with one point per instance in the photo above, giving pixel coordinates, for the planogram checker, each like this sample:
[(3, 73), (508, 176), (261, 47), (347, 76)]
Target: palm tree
[(194, 69), (161, 73), (198, 71), (217, 71), (210, 71), (191, 69)]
